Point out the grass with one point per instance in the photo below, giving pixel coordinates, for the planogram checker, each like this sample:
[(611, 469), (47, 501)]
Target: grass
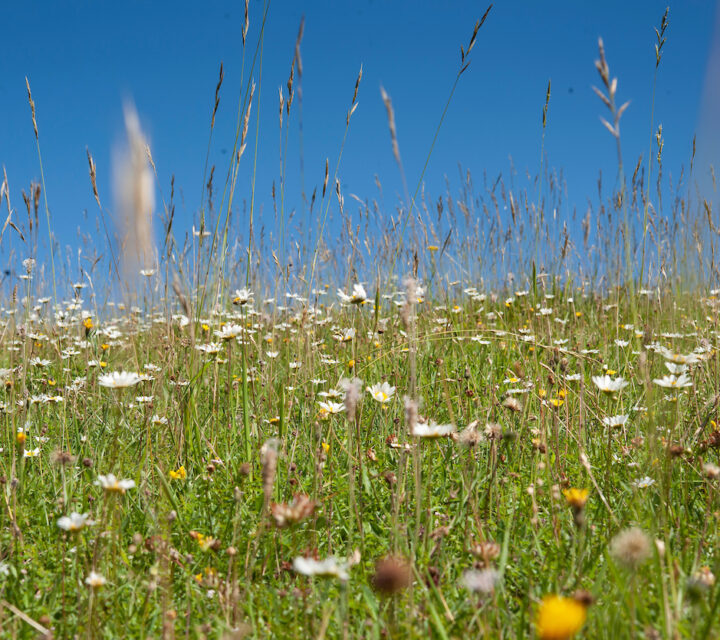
[(430, 454)]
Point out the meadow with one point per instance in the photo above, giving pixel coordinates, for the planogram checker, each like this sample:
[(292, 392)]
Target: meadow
[(430, 428)]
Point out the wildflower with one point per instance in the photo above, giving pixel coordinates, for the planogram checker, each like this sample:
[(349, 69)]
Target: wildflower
[(631, 548), (486, 552), (432, 430), (576, 498), (470, 436), (358, 295), (352, 396), (95, 580), (392, 574), (74, 522), (331, 407), (615, 421), (512, 403), (269, 455), (242, 296), (119, 379), (179, 474), (210, 348), (383, 393), (482, 581), (559, 618), (328, 568), (296, 511), (206, 543), (609, 385), (711, 471), (346, 335), (112, 485), (229, 331), (31, 453), (674, 382), (644, 482)]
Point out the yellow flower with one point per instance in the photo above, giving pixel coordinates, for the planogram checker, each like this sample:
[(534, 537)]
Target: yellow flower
[(205, 327), (104, 347), (576, 497), (559, 618), (326, 447), (180, 474), (556, 402), (21, 437), (351, 364), (88, 323), (432, 247)]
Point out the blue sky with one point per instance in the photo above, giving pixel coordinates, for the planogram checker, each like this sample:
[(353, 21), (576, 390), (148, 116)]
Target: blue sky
[(82, 58)]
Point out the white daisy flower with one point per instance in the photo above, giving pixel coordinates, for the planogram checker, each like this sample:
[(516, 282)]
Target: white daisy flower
[(119, 379), (382, 392)]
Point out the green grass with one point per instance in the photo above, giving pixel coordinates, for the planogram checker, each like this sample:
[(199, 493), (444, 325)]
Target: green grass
[(431, 504)]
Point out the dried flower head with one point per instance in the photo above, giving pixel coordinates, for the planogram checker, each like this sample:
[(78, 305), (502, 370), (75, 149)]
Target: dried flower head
[(269, 455), (392, 574), (296, 511), (353, 392), (482, 581), (631, 548)]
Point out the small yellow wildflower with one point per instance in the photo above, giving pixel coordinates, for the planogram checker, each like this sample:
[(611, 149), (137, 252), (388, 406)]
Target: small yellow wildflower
[(88, 323), (432, 248), (326, 447), (21, 437), (559, 618), (179, 474), (576, 497), (104, 346), (205, 327)]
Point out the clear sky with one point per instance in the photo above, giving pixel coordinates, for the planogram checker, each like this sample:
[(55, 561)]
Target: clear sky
[(82, 58)]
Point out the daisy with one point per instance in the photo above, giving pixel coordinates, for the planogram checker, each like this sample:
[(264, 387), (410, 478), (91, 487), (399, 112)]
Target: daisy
[(210, 347), (242, 296), (112, 485), (432, 430), (119, 379), (358, 295), (674, 382), (229, 331), (615, 421), (328, 568), (95, 580), (382, 392), (74, 522), (608, 384), (331, 407)]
